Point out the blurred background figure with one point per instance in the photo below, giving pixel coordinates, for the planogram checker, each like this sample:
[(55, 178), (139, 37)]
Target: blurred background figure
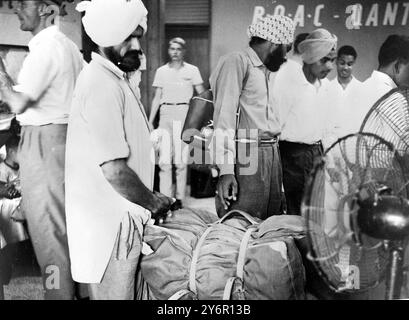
[(175, 84)]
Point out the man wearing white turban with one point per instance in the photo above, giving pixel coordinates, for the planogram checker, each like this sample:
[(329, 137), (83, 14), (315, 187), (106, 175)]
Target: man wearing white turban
[(302, 100), (109, 174), (42, 102), (242, 81)]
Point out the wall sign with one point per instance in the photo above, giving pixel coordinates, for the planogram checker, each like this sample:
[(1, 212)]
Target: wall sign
[(364, 24)]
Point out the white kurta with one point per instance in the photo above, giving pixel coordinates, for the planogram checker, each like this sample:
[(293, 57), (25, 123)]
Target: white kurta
[(107, 122)]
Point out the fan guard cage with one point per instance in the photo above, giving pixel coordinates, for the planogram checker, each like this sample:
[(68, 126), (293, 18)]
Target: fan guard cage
[(346, 259)]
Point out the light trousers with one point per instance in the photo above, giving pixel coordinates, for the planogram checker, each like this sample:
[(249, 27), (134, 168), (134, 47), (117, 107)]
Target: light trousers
[(173, 151), (42, 166)]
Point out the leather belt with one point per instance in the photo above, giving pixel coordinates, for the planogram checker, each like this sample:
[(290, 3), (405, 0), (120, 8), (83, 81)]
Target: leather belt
[(175, 104), (318, 143), (259, 141)]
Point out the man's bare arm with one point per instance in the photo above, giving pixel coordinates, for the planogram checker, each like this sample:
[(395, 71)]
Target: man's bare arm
[(127, 183), (17, 101)]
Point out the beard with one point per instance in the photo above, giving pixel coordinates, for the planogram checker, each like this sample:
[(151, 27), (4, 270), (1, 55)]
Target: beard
[(275, 60), (130, 62)]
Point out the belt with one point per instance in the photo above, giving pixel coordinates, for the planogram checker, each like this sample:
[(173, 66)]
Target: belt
[(318, 143), (259, 141), (175, 104)]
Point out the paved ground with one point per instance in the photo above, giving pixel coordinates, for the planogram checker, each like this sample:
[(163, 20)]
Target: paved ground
[(26, 280)]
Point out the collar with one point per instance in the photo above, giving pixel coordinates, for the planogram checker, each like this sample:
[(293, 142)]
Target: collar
[(105, 63), (42, 35), (352, 82), (254, 58), (303, 79), (182, 65), (384, 78)]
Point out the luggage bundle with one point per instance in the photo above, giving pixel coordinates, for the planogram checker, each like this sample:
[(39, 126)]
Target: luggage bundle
[(197, 256)]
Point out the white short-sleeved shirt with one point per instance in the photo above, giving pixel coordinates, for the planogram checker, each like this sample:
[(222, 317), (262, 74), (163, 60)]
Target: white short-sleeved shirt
[(107, 122), (302, 106), (48, 77), (177, 84)]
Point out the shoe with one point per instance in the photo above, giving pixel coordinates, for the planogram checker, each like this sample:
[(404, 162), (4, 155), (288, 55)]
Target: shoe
[(176, 205)]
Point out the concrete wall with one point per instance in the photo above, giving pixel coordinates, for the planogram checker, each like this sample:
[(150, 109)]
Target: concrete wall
[(69, 23), (364, 24)]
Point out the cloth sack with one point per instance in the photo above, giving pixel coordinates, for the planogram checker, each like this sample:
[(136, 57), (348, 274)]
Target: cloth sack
[(196, 256)]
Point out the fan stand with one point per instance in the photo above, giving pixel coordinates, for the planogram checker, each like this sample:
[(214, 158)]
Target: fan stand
[(395, 270)]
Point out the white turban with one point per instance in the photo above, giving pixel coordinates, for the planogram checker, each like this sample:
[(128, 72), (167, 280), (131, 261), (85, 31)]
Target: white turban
[(317, 45), (276, 29), (110, 22)]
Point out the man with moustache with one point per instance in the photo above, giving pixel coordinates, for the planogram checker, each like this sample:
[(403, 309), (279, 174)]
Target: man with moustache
[(42, 101), (302, 100), (109, 174), (242, 81)]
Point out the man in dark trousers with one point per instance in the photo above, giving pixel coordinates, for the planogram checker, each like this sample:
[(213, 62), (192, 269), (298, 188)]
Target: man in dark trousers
[(301, 99)]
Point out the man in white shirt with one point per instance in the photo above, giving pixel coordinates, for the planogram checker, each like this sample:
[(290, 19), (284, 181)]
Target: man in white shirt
[(174, 84), (109, 171), (300, 98), (343, 92), (393, 71), (42, 102)]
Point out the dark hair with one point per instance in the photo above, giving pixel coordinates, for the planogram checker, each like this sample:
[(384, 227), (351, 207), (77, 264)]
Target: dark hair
[(298, 39), (256, 41), (347, 51), (395, 47)]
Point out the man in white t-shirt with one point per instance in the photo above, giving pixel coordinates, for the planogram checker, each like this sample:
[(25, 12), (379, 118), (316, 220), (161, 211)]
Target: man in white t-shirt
[(175, 83)]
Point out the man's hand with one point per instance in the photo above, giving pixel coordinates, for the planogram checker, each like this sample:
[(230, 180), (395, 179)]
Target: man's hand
[(17, 101), (161, 206), (227, 189)]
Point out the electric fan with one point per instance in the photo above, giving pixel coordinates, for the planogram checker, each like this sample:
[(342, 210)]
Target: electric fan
[(389, 119), (357, 215)]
